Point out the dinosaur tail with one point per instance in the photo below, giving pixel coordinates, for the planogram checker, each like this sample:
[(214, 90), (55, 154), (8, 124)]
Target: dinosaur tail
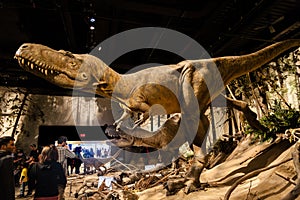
[(232, 67)]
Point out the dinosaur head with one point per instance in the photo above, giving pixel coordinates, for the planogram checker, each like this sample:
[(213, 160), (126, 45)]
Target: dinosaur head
[(118, 137), (61, 68)]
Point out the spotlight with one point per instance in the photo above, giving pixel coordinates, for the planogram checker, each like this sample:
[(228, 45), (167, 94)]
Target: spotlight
[(92, 19), (92, 27)]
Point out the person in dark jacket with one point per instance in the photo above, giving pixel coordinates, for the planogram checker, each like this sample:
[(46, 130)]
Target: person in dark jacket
[(7, 182), (33, 158), (48, 174)]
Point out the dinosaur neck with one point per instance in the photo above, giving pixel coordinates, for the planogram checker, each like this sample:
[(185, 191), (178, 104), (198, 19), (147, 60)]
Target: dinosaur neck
[(107, 80), (232, 67)]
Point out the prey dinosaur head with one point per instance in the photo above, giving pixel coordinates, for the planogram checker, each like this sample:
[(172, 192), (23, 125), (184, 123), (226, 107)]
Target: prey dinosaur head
[(139, 137), (61, 68), (118, 137)]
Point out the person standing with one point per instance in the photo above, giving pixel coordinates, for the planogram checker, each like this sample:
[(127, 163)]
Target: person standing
[(23, 179), (7, 182), (63, 153), (47, 175), (19, 158), (34, 154), (33, 158)]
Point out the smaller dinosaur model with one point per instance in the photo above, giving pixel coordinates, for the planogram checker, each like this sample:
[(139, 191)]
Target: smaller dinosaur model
[(98, 162)]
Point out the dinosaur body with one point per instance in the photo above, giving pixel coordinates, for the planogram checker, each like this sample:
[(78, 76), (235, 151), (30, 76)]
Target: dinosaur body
[(170, 86), (139, 91)]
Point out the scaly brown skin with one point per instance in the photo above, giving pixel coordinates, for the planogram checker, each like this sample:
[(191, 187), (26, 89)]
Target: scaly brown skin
[(171, 86)]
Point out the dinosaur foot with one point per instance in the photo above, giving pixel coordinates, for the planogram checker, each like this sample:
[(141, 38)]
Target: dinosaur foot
[(188, 186), (193, 186), (173, 186), (190, 182)]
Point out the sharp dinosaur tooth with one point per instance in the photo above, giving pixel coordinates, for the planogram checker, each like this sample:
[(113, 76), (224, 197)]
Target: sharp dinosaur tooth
[(32, 66), (22, 61), (46, 72), (51, 71), (28, 63), (42, 70)]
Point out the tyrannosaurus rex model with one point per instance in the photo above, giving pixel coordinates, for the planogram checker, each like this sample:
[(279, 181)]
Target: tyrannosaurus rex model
[(174, 87)]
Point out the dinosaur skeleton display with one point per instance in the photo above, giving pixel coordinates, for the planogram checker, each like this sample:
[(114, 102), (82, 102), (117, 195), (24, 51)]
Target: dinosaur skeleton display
[(171, 86)]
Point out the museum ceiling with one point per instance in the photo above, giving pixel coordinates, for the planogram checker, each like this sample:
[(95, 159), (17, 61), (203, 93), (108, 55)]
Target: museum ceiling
[(222, 27)]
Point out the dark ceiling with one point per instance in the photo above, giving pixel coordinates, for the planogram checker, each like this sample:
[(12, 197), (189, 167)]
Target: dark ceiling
[(222, 27)]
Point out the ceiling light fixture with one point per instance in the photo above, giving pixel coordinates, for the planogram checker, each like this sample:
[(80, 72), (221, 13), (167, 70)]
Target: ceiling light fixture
[(92, 19)]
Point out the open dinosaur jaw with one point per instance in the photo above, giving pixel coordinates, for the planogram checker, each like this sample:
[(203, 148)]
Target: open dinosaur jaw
[(31, 66), (46, 72), (118, 137)]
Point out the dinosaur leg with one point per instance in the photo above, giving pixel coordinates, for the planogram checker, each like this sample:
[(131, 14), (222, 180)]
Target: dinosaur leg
[(191, 182), (192, 179), (189, 105), (200, 160)]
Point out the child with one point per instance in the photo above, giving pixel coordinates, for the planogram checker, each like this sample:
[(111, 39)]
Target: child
[(23, 178)]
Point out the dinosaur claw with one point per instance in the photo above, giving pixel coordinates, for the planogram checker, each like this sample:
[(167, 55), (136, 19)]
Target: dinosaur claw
[(118, 127), (188, 186), (191, 186), (117, 124), (173, 186)]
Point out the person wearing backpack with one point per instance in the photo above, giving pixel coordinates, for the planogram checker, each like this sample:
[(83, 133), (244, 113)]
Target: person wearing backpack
[(63, 153)]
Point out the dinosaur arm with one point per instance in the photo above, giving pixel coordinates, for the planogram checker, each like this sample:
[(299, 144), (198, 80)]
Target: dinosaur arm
[(141, 107), (128, 112), (136, 103)]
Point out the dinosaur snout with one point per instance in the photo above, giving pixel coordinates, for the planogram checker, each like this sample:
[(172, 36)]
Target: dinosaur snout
[(22, 47)]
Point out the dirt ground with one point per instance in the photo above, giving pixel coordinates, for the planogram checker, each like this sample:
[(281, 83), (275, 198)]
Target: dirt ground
[(271, 184)]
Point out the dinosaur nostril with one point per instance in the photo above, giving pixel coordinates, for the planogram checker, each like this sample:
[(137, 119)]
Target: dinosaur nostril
[(24, 46)]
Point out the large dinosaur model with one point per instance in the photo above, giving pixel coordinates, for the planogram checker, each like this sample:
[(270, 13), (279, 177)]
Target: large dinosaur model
[(170, 86)]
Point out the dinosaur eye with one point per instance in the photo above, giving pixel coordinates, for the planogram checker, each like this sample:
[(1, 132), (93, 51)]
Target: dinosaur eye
[(84, 76), (72, 64)]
